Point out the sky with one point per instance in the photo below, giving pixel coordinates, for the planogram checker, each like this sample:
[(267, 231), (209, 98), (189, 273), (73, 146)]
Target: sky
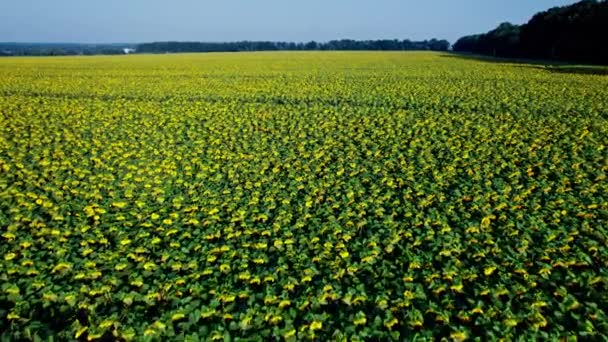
[(135, 21)]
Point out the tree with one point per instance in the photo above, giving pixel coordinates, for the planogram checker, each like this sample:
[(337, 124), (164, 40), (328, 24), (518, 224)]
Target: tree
[(570, 33)]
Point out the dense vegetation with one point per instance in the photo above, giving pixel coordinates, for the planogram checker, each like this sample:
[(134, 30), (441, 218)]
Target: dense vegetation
[(266, 196), (570, 33), (61, 49), (344, 44)]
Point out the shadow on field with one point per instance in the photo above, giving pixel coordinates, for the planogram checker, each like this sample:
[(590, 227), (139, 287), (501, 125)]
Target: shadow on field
[(549, 66), (584, 70)]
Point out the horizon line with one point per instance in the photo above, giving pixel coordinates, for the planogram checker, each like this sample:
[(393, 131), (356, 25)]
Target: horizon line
[(219, 41)]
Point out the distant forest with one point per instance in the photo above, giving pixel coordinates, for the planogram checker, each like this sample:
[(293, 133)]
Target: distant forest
[(575, 33), (344, 44), (61, 49)]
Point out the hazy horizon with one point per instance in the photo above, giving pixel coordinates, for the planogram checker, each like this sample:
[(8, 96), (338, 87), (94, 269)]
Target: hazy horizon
[(68, 21)]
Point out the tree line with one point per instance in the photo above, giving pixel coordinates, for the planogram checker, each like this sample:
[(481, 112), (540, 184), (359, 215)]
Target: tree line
[(575, 33), (61, 49), (66, 49), (344, 44)]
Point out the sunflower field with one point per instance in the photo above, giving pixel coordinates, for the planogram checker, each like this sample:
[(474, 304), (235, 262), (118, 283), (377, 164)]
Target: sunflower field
[(301, 196)]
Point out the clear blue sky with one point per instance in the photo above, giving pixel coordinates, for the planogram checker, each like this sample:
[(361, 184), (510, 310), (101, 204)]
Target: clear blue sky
[(132, 21)]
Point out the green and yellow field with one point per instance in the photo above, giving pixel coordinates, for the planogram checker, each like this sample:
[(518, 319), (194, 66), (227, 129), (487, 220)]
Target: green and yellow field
[(287, 196)]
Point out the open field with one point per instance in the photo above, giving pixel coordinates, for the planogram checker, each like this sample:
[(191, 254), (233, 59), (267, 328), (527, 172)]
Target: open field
[(283, 196)]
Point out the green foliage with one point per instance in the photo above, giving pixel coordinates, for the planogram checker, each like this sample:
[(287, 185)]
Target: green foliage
[(342, 44), (327, 196), (573, 33)]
